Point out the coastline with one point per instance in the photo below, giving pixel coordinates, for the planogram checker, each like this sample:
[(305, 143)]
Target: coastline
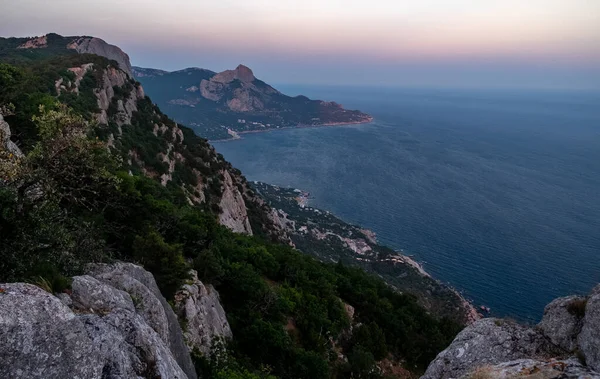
[(328, 124), (469, 312)]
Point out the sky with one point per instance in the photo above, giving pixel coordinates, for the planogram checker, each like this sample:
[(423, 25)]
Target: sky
[(431, 43)]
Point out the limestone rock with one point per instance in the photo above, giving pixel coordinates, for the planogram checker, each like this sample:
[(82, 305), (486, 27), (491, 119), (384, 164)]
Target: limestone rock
[(535, 369), (589, 338), (40, 337), (150, 305), (91, 45), (118, 328), (112, 77), (239, 89), (487, 342), (199, 309), (561, 323), (5, 142), (241, 73), (89, 294), (233, 208)]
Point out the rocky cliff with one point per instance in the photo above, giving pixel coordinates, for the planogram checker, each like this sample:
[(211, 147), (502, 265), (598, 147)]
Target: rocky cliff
[(118, 99), (92, 45), (565, 344), (113, 323)]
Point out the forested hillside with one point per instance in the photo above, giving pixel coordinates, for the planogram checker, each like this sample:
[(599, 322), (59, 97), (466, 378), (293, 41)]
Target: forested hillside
[(101, 174)]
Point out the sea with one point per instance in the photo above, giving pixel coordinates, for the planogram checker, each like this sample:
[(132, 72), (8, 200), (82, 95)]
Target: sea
[(495, 192)]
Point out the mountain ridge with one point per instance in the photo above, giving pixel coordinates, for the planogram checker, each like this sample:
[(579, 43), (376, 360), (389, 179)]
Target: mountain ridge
[(226, 104)]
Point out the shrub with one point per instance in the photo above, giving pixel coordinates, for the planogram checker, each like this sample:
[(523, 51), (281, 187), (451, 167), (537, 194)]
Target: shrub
[(163, 260)]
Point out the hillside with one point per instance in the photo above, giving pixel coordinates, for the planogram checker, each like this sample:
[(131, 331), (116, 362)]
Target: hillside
[(223, 105), (93, 174), (323, 235)]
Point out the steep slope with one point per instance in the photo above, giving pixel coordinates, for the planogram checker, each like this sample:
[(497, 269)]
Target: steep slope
[(146, 139), (223, 105)]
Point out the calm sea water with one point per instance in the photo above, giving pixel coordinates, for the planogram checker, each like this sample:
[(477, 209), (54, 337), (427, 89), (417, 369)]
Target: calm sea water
[(497, 193)]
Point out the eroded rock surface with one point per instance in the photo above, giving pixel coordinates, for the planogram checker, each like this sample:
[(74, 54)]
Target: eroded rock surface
[(488, 341), (589, 338), (115, 324), (199, 309), (535, 369), (565, 344), (5, 142), (233, 208), (562, 321), (92, 45)]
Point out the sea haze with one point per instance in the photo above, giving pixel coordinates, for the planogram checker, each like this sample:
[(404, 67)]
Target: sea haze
[(497, 193)]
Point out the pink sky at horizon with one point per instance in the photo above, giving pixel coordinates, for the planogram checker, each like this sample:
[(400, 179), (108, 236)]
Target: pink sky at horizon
[(560, 36)]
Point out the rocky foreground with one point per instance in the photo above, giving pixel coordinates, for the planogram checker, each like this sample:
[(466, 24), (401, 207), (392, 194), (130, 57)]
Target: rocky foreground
[(113, 323), (565, 344)]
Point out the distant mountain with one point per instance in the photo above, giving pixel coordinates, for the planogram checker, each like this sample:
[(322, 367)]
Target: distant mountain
[(222, 105)]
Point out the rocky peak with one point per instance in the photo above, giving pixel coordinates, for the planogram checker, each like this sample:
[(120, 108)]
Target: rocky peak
[(241, 73), (92, 45)]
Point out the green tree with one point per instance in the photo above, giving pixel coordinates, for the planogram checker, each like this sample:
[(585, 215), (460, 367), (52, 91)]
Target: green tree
[(163, 260)]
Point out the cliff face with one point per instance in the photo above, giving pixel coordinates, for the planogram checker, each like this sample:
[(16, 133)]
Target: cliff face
[(199, 308), (566, 343), (92, 45), (118, 97)]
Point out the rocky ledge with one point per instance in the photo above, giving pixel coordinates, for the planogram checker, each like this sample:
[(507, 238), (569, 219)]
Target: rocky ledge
[(565, 344)]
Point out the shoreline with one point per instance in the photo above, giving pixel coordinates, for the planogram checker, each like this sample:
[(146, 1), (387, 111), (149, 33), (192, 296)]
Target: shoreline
[(329, 124), (470, 312)]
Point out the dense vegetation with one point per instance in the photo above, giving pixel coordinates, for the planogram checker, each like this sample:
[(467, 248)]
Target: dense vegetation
[(70, 201)]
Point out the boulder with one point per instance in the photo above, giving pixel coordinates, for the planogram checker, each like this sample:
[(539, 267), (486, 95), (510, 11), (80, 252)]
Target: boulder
[(589, 338), (562, 320), (488, 341), (5, 142)]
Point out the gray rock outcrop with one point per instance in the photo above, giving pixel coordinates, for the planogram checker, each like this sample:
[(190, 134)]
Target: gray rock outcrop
[(199, 309), (151, 306), (113, 77), (535, 369), (92, 45), (233, 208), (40, 337), (589, 338), (561, 322), (569, 331), (241, 89), (115, 324), (488, 341), (5, 142)]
